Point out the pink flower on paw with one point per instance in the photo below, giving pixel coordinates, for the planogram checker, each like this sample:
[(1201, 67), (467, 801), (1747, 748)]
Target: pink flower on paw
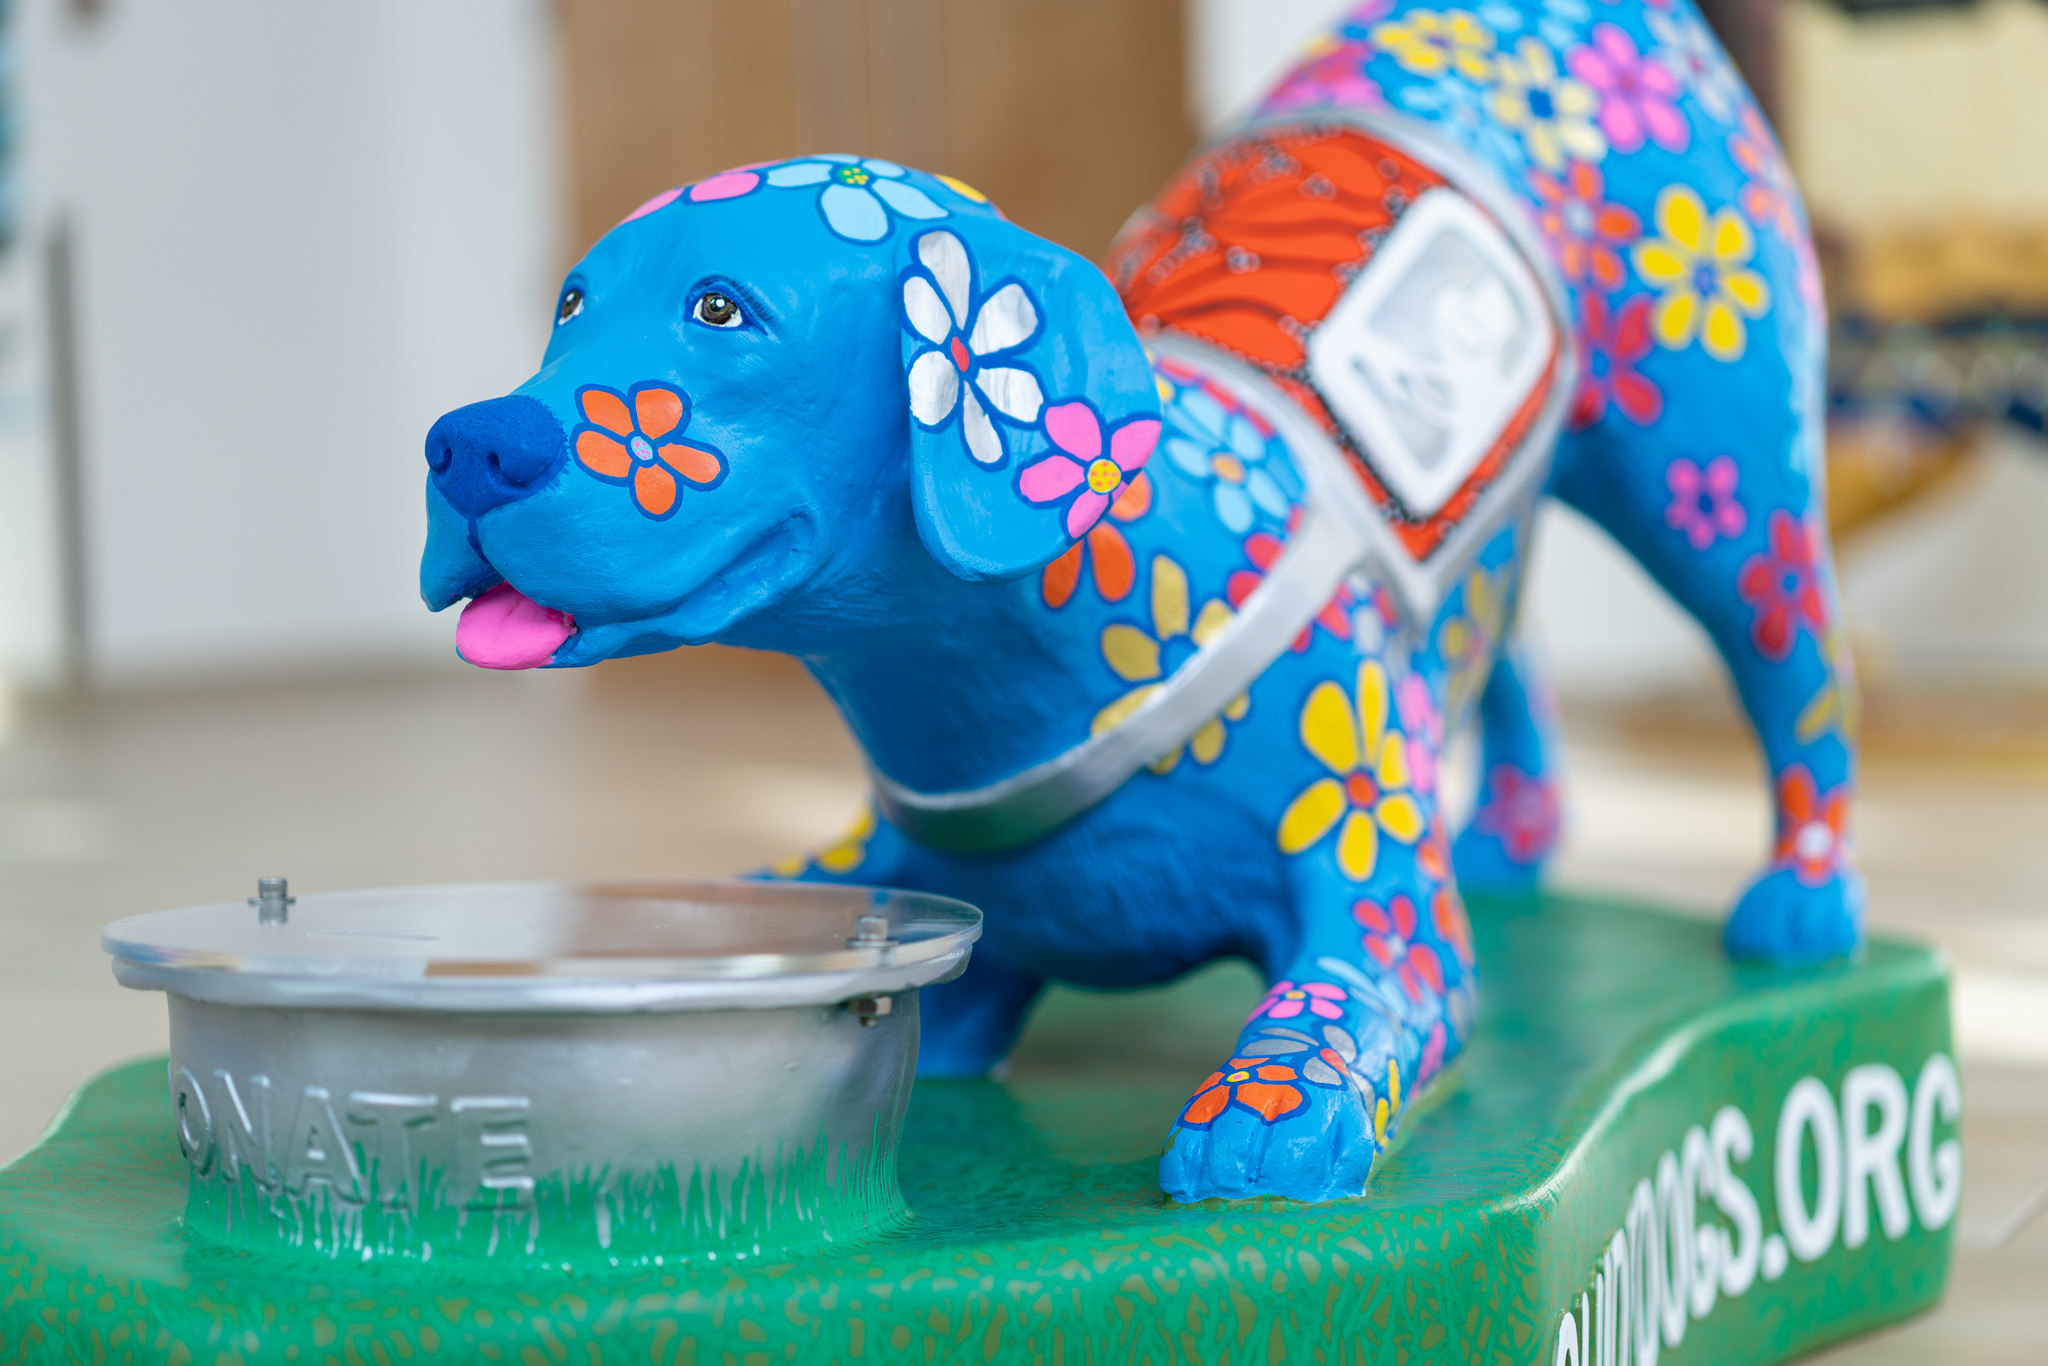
[(1100, 475), (1286, 1000), (1637, 93), (1703, 504), (1424, 726)]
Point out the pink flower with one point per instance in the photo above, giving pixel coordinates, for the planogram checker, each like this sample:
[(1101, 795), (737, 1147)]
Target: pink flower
[(1075, 429), (1333, 73), (1521, 812), (1637, 93), (1286, 1000), (1423, 724), (1703, 502)]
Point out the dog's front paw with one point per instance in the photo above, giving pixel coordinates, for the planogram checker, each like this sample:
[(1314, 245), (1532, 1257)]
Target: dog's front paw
[(1513, 833), (1788, 916), (1301, 1110)]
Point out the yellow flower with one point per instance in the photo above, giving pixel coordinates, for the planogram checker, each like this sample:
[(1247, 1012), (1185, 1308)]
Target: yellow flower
[(1429, 44), (1552, 111), (1135, 657), (1466, 641), (842, 856), (1368, 792), (1701, 267)]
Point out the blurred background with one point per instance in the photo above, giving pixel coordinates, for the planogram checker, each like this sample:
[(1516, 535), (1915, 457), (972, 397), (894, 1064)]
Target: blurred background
[(248, 252)]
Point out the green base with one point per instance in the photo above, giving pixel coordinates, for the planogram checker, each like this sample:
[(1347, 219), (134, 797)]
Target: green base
[(1039, 1234)]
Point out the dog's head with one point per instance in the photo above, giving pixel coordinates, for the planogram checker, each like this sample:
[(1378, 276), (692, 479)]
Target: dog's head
[(756, 384)]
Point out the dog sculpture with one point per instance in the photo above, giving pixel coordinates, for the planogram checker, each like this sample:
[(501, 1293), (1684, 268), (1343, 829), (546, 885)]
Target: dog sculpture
[(1153, 603)]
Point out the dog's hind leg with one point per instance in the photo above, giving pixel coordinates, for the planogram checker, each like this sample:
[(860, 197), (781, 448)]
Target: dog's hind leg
[(1514, 826), (1721, 501)]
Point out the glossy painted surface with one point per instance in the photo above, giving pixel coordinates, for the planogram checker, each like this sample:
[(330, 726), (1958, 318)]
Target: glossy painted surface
[(1038, 1232), (840, 409)]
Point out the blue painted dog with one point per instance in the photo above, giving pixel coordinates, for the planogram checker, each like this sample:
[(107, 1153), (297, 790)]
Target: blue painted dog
[(1151, 603)]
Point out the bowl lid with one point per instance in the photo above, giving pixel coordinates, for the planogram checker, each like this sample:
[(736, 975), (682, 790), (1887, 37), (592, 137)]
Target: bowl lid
[(551, 947)]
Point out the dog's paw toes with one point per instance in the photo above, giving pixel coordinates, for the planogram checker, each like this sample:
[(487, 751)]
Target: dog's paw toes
[(1483, 865), (1786, 919), (1301, 1125)]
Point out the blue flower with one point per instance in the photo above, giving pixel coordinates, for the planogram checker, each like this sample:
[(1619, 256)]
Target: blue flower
[(1210, 444), (859, 194), (1561, 24), (1462, 108)]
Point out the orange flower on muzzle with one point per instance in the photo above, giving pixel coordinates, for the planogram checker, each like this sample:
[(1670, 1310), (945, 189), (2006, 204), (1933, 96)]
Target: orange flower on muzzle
[(636, 439)]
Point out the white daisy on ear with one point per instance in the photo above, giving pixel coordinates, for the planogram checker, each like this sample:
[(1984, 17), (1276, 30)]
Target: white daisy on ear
[(971, 342)]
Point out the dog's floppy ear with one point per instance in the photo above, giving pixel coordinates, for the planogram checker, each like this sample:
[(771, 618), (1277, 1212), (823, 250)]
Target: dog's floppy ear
[(1032, 405)]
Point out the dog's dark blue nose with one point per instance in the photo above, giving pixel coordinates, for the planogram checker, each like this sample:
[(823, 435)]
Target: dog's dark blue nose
[(495, 452)]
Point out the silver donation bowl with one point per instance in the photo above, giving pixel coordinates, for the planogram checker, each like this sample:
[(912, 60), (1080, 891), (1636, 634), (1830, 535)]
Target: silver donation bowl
[(545, 1073)]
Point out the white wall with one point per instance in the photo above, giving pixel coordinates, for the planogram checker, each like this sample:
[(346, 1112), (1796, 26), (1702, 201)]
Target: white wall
[(303, 230)]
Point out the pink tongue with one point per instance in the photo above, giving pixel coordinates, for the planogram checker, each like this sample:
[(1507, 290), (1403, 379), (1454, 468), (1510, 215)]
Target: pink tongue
[(505, 629)]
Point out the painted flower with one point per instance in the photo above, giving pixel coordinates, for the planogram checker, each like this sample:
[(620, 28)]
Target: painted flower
[(1423, 724), (1366, 793), (1700, 265), (1391, 939), (1782, 586), (1332, 71), (1812, 829), (1260, 1085), (1466, 639), (1520, 811), (1225, 448), (1430, 43), (1557, 22), (1552, 111), (1465, 111), (1637, 95), (1583, 228), (1332, 1049), (1095, 475), (1263, 549), (1285, 1000), (1614, 342), (1687, 48), (1769, 196), (843, 855), (1703, 502), (973, 339), (1453, 926), (635, 438), (1140, 657), (1104, 552), (860, 193)]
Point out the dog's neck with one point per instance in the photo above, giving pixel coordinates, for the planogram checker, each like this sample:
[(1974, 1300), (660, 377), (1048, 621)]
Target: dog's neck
[(946, 684)]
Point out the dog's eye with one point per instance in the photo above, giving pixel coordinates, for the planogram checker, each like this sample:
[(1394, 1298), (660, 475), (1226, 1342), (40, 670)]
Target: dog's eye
[(571, 305), (717, 310)]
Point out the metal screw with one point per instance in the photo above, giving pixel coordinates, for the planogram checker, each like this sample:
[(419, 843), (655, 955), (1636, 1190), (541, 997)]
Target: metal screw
[(870, 932), (272, 901), (869, 1010)]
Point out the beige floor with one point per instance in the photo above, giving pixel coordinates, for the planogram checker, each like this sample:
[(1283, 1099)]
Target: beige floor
[(718, 762)]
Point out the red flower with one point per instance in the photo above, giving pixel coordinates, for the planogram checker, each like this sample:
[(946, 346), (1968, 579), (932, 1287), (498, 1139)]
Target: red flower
[(1453, 926), (1812, 829), (1390, 938), (1521, 812), (1783, 586), (1259, 1085), (1613, 343), (1262, 548), (1583, 228)]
